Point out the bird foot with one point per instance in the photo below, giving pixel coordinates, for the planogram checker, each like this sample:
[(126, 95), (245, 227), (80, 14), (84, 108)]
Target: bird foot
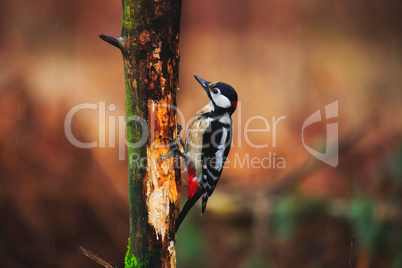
[(174, 145)]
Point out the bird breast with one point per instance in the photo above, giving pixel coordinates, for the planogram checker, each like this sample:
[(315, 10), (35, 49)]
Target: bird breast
[(194, 140)]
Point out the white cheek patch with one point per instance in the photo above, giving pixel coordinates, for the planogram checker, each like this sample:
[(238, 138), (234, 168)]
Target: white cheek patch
[(221, 101)]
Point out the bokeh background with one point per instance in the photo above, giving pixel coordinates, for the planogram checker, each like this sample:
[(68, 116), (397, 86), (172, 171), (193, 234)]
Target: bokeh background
[(284, 58)]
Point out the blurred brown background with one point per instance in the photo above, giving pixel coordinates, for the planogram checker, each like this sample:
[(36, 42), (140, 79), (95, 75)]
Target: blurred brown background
[(284, 58)]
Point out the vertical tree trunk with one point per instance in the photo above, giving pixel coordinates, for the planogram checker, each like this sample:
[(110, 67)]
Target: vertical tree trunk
[(150, 46)]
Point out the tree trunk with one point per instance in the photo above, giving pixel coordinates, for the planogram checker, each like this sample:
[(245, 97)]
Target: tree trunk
[(150, 46)]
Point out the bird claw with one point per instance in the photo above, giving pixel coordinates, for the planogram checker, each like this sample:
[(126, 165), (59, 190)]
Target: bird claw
[(179, 128), (166, 156), (174, 145)]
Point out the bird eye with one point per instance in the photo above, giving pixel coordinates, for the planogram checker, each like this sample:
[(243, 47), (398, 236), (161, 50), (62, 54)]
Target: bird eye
[(215, 90)]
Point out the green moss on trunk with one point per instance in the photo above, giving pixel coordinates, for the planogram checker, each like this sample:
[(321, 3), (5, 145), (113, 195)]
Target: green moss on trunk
[(150, 45)]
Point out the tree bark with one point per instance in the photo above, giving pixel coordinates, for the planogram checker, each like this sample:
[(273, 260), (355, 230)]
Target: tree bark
[(150, 46)]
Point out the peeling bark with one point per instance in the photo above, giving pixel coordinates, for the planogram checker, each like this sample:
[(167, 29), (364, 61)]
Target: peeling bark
[(150, 46)]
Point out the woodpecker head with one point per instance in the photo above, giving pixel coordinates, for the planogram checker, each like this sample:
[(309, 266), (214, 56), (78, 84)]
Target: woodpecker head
[(222, 96)]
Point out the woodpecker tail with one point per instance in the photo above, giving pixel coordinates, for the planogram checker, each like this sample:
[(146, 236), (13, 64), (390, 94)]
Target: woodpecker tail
[(186, 208)]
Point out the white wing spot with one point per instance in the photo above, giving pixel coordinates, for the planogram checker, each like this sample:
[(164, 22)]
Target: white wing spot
[(221, 147), (225, 119), (212, 175)]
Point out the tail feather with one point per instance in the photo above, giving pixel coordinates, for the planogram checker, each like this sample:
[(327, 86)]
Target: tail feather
[(204, 202), (186, 208)]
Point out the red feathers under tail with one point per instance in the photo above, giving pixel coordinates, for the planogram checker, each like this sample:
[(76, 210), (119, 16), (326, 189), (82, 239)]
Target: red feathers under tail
[(193, 194)]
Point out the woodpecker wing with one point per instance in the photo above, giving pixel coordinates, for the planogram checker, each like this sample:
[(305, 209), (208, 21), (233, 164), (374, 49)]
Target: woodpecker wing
[(217, 140)]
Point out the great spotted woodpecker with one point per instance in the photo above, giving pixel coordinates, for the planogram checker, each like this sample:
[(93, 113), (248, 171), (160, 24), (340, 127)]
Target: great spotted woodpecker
[(207, 144)]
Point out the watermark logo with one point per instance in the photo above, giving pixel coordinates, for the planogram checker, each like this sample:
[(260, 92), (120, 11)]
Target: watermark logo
[(268, 127), (331, 151)]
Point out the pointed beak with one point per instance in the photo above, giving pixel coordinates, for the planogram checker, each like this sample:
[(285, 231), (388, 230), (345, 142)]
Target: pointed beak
[(203, 83)]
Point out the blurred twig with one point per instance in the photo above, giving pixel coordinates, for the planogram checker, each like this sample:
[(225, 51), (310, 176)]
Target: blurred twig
[(296, 176), (291, 181), (96, 258), (352, 243)]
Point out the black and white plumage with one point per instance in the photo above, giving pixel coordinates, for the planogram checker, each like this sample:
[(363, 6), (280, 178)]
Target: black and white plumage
[(208, 142)]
